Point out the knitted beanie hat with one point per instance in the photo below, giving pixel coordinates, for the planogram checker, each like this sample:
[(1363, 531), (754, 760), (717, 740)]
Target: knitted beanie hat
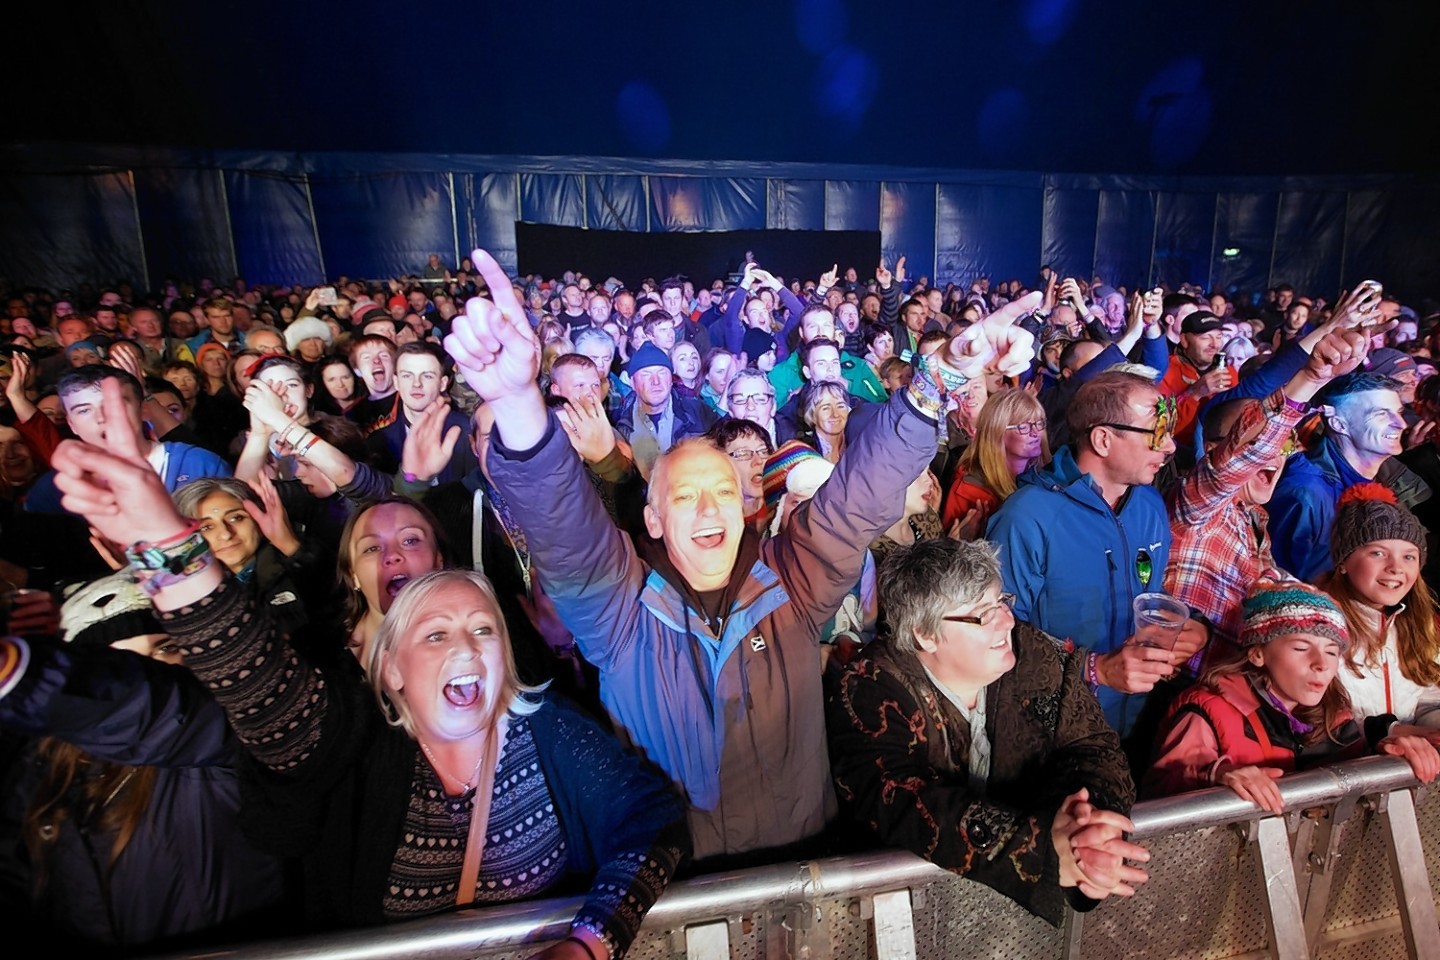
[(756, 344), (1368, 512), (780, 464), (1275, 609), (106, 610), (648, 355)]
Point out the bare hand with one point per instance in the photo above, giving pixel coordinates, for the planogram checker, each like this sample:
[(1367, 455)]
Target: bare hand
[(1419, 752), (1256, 784), (1338, 352), (125, 360), (493, 346), (1420, 434), (900, 271), (113, 554), (114, 487), (19, 377), (587, 428), (968, 527), (828, 278), (1154, 306), (270, 516), (1092, 850), (996, 341), (1133, 668), (1216, 381), (1357, 307), (1070, 293), (1192, 639), (267, 407), (34, 613), (428, 446), (543, 616), (883, 275)]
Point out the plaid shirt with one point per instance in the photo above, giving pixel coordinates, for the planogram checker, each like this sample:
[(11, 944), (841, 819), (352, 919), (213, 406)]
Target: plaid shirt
[(1219, 544)]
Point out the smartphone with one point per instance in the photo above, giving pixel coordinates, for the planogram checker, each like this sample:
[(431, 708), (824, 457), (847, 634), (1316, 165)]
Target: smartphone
[(327, 296)]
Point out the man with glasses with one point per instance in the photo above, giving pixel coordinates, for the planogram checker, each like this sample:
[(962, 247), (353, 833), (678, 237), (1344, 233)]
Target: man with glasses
[(1220, 544), (1081, 538), (971, 740), (751, 397)]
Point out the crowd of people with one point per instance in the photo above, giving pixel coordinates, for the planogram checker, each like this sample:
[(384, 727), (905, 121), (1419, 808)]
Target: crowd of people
[(349, 604)]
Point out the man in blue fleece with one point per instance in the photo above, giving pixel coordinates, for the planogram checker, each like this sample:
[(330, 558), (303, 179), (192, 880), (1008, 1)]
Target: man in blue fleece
[(1082, 537)]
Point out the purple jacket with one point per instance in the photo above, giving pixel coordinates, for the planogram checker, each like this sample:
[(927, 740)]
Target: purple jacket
[(736, 719)]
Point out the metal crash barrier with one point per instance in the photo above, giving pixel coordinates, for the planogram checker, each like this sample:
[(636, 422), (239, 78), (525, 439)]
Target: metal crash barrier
[(1344, 873)]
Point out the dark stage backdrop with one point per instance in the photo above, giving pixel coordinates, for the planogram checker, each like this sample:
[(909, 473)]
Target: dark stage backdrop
[(701, 257)]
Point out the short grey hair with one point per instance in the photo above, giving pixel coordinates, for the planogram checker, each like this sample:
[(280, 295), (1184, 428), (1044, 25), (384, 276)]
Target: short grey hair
[(750, 373), (920, 582), (189, 497), (586, 334)]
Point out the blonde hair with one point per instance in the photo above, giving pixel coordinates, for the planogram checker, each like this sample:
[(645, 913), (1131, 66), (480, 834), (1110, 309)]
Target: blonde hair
[(984, 459), (407, 609)]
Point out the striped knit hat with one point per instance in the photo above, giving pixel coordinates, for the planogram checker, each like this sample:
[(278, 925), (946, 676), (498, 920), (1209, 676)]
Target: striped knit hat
[(778, 465), (1275, 609)]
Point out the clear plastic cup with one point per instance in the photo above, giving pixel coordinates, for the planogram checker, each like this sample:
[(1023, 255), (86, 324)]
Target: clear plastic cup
[(1158, 620)]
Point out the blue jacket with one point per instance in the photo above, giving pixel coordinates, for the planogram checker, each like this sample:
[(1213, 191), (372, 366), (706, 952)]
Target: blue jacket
[(692, 417), (1072, 562), (183, 464), (734, 714), (1302, 510)]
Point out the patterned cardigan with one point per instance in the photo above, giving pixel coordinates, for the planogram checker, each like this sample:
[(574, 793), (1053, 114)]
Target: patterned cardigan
[(898, 751)]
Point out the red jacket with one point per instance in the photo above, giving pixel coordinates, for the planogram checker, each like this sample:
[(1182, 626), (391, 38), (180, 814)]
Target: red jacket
[(1205, 726)]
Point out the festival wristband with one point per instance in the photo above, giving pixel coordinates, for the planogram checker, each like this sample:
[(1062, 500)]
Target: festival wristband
[(933, 384)]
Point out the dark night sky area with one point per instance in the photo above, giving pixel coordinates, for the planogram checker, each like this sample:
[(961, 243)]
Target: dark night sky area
[(1054, 85)]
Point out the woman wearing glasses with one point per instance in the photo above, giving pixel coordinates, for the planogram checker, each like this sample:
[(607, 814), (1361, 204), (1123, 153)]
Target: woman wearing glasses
[(974, 741), (747, 445), (1009, 439)]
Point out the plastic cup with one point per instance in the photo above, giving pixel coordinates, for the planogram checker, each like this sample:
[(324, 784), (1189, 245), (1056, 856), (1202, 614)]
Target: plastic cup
[(1158, 620)]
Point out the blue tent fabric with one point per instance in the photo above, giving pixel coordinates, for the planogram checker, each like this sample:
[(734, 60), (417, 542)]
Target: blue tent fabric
[(98, 213)]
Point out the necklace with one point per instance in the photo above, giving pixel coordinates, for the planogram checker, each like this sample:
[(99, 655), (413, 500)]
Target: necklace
[(468, 783)]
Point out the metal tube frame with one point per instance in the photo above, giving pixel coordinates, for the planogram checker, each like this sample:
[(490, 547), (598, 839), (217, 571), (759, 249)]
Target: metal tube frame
[(787, 886)]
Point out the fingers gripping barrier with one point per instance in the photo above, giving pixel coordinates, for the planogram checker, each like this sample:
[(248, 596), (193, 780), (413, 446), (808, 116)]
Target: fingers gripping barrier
[(1344, 873)]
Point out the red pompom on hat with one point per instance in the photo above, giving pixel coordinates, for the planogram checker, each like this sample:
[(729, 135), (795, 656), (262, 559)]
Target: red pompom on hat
[(1367, 513), (1360, 492)]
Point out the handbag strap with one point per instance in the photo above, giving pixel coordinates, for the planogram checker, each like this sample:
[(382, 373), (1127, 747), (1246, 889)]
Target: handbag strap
[(480, 817)]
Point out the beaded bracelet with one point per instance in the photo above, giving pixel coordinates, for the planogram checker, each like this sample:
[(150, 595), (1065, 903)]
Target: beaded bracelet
[(1092, 673)]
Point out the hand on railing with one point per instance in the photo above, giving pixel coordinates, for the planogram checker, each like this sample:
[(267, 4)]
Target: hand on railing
[(1092, 848), (1256, 784), (1419, 752)]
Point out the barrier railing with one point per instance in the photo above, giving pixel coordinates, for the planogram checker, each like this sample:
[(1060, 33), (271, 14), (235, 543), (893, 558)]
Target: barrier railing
[(1225, 882)]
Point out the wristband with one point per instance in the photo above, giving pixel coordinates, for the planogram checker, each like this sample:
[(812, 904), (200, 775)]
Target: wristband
[(1092, 673), (933, 384), (1296, 405), (157, 565)]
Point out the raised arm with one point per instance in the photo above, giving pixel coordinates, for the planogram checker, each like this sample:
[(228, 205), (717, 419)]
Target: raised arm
[(820, 555), (275, 704), (588, 567)]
